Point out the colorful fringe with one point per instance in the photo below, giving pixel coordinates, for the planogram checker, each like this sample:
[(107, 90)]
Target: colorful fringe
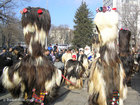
[(39, 99), (115, 98)]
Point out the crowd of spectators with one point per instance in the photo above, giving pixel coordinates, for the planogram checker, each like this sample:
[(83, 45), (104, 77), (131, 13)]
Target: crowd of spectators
[(10, 56)]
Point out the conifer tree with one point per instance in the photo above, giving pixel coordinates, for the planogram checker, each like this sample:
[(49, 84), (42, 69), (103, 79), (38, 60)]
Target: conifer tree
[(83, 29)]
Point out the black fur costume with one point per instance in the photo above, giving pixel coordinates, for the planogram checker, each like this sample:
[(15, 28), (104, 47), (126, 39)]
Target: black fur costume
[(74, 71), (34, 71), (124, 53)]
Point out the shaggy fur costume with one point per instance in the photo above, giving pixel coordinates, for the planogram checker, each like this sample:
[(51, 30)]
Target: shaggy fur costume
[(107, 74), (124, 53), (74, 71), (34, 71)]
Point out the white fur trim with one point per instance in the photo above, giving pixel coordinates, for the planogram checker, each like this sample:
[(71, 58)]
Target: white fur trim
[(77, 68), (28, 28), (40, 36), (121, 77), (121, 83), (97, 84), (22, 87), (125, 92), (58, 77), (102, 86), (73, 80), (66, 57), (97, 55), (91, 87), (106, 56), (5, 79), (70, 69), (39, 60), (107, 25), (30, 46), (85, 63), (16, 78), (17, 65), (63, 57), (120, 101), (50, 84)]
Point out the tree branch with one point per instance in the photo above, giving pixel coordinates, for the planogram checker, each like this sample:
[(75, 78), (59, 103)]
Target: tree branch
[(4, 3)]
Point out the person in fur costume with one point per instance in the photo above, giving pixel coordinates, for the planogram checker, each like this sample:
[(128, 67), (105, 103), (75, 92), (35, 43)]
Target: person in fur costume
[(34, 76), (106, 84), (125, 55)]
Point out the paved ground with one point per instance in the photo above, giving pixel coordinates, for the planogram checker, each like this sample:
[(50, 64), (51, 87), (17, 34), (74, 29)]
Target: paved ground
[(74, 97), (80, 97), (133, 97)]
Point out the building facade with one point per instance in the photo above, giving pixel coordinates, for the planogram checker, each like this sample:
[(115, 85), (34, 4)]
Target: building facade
[(108, 3), (129, 16), (60, 35)]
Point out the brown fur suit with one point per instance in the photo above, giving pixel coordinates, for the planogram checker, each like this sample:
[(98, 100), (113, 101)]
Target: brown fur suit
[(74, 71), (34, 70), (107, 73), (124, 53)]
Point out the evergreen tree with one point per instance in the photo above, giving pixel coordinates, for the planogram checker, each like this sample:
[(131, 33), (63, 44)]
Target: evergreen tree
[(83, 29)]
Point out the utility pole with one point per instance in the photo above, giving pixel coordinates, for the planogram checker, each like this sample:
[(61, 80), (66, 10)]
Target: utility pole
[(46, 46), (47, 4)]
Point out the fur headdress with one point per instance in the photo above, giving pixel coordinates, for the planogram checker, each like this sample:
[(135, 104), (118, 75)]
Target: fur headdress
[(106, 26), (124, 42), (36, 24)]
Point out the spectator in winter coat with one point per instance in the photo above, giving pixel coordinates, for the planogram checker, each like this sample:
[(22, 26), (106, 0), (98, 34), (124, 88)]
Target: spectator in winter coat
[(58, 63), (50, 48), (47, 54), (52, 55)]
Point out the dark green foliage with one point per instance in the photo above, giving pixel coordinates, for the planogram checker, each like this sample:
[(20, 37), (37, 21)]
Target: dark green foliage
[(83, 29)]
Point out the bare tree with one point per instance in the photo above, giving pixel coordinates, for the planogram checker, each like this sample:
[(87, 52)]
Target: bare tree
[(130, 19), (13, 32), (5, 9), (10, 27), (61, 34)]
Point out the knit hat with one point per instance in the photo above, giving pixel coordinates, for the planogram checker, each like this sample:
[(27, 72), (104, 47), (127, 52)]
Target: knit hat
[(81, 49), (74, 56)]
